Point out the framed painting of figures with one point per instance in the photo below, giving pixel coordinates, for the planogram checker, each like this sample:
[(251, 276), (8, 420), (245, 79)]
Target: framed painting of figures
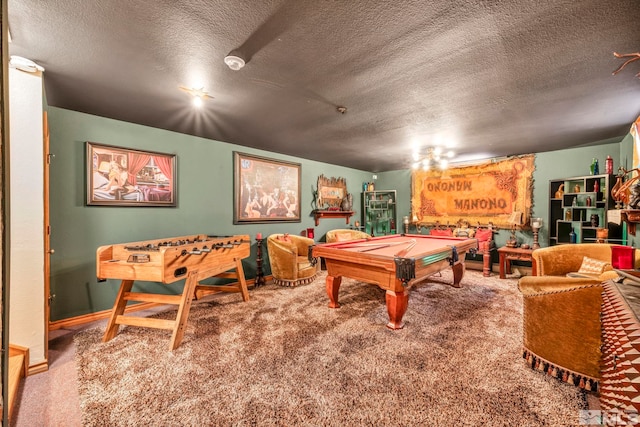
[(265, 190)]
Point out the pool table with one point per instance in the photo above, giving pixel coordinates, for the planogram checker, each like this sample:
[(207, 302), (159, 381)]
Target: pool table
[(393, 263)]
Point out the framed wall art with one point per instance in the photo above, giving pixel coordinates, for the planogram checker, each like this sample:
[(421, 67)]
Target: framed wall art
[(119, 176), (265, 190)]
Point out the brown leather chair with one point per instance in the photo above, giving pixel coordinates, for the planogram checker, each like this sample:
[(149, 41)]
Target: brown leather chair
[(289, 259)]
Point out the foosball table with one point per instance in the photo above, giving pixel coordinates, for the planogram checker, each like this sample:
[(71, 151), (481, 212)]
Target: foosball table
[(194, 258)]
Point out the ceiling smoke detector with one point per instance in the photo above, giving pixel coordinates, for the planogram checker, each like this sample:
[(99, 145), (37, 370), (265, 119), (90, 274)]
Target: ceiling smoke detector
[(234, 62)]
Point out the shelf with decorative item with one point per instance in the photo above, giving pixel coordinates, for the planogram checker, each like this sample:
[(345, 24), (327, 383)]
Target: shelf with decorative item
[(327, 213)]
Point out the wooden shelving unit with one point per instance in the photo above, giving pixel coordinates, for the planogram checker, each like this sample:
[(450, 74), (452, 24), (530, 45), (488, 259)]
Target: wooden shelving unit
[(379, 212), (571, 211)]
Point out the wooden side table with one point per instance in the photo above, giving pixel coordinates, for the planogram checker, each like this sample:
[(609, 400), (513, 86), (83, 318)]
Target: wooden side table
[(508, 254)]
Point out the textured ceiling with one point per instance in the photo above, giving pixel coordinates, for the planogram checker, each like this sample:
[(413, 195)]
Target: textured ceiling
[(491, 78)]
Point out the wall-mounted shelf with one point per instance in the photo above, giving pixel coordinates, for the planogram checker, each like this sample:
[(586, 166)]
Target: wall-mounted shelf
[(317, 214)]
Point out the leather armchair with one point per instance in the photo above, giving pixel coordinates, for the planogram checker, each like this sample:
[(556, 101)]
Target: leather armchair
[(289, 259), (561, 315), (344, 234)]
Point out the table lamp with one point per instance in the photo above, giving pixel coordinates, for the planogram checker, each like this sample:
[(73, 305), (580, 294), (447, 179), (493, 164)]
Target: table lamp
[(536, 225), (515, 219)]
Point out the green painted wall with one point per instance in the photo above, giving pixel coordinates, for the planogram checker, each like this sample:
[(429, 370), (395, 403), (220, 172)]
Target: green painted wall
[(205, 200), (549, 165), (205, 204)]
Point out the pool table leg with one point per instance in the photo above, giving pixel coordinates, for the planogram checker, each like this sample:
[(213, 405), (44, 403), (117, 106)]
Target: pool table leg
[(333, 286), (396, 307), (458, 272)]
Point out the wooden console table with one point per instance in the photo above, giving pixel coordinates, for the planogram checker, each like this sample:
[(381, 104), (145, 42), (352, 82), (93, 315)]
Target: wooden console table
[(317, 214), (508, 254)]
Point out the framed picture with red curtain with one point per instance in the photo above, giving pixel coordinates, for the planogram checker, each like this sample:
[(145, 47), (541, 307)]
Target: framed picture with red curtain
[(119, 176)]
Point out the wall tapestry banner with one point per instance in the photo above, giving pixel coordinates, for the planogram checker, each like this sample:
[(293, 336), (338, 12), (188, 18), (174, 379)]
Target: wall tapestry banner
[(483, 193)]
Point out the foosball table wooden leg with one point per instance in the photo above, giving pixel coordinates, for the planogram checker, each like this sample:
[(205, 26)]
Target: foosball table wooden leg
[(183, 309), (242, 281), (117, 310)]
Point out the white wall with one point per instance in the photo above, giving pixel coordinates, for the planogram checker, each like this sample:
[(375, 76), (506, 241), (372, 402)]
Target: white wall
[(26, 209)]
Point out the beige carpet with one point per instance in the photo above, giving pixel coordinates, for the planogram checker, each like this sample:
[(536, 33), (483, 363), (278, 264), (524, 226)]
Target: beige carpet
[(284, 358)]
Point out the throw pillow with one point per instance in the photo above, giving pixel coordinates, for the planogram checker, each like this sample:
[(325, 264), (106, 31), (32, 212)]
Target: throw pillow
[(592, 266), (464, 232), (484, 235), (447, 232)]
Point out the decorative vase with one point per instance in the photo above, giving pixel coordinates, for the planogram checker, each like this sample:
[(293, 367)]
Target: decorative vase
[(608, 165), (347, 202)]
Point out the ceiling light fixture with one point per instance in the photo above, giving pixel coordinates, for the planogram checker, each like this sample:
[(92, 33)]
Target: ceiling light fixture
[(24, 64), (434, 157), (234, 62), (199, 95)]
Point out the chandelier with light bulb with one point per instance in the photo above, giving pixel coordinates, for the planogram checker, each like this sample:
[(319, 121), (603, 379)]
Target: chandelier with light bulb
[(435, 157)]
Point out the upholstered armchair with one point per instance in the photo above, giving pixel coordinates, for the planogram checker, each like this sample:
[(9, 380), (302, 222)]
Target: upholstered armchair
[(561, 314), (561, 260), (344, 234), (289, 259)]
